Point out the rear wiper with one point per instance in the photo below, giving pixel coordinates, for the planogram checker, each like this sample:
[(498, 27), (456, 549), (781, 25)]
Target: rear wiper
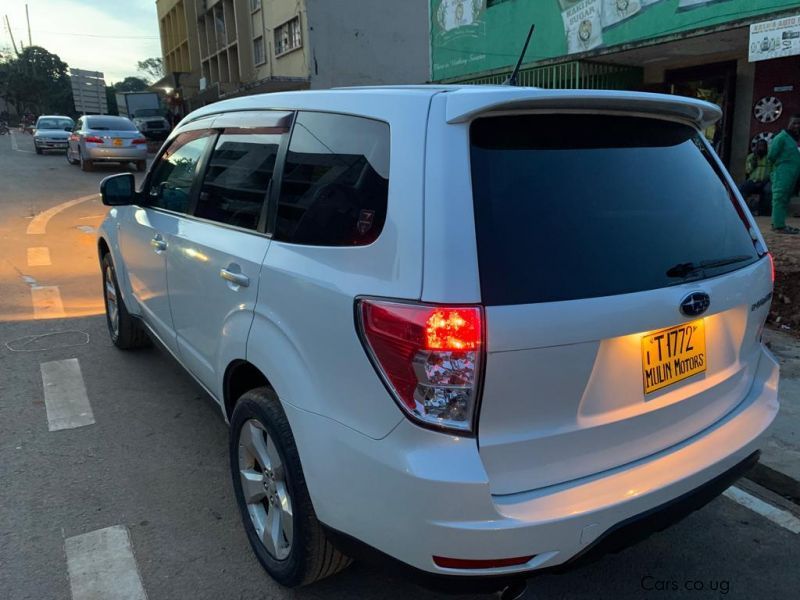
[(687, 268)]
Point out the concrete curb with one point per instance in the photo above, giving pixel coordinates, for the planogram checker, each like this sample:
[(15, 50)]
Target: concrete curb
[(775, 481)]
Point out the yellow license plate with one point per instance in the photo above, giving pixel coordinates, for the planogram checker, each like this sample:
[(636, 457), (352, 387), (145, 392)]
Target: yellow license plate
[(117, 141), (673, 354)]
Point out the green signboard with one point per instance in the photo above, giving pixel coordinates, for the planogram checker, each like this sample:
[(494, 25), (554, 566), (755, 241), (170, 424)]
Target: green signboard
[(472, 36)]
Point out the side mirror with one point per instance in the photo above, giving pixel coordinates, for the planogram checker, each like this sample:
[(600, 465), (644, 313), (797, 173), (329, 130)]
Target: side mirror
[(68, 129), (118, 190)]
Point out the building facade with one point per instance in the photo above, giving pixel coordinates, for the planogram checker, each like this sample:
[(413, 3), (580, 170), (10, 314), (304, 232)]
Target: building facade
[(237, 47), (179, 45), (739, 54)]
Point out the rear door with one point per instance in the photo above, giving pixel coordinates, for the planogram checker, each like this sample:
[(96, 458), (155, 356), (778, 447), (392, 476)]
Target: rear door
[(73, 142), (622, 288), (216, 253)]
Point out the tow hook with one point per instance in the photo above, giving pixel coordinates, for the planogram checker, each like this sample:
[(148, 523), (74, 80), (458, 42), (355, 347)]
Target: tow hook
[(513, 591)]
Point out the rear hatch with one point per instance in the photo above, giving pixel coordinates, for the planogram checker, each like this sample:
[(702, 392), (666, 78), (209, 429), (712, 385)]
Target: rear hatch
[(120, 138), (592, 231)]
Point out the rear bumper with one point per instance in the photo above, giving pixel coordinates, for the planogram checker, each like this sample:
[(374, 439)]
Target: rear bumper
[(417, 494), (129, 154), (622, 535)]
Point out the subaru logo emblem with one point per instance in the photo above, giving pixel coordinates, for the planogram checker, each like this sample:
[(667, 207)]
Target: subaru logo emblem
[(695, 304)]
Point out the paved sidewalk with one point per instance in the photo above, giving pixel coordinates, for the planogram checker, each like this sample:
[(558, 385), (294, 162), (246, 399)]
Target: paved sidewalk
[(781, 449)]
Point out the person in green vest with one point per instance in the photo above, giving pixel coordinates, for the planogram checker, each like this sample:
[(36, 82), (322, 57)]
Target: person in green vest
[(757, 170), (785, 158)]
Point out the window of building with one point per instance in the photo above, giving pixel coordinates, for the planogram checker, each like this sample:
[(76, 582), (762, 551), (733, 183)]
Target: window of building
[(255, 5), (288, 37), (259, 56), (171, 182), (238, 176), (335, 182)]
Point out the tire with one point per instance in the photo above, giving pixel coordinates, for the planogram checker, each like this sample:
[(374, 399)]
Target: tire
[(38, 150), (310, 556), (86, 165), (128, 333), (141, 165)]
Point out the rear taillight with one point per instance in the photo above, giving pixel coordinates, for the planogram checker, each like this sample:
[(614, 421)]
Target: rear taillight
[(771, 266), (430, 357), (139, 141), (93, 139)]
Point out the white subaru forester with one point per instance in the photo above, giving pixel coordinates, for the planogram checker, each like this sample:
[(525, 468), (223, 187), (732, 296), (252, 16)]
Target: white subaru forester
[(483, 331)]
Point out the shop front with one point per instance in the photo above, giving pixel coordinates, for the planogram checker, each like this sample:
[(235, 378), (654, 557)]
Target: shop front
[(738, 54)]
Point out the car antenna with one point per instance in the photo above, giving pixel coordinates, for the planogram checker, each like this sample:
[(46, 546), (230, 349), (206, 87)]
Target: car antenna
[(512, 79)]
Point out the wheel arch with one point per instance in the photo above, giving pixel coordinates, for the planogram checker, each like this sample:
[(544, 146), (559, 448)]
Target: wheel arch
[(102, 248), (107, 244), (240, 377)]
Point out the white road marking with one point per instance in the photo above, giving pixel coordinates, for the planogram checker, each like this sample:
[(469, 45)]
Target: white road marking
[(38, 225), (100, 216), (101, 565), (777, 515), (14, 145), (86, 229), (65, 395), (39, 256), (47, 302)]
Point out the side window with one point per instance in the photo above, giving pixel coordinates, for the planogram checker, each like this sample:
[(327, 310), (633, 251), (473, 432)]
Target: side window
[(238, 176), (172, 178), (336, 181)]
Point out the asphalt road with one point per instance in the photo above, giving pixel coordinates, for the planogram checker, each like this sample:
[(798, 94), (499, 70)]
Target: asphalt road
[(154, 461)]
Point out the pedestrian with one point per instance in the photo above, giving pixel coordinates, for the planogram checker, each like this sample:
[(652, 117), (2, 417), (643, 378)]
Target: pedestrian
[(757, 171), (785, 158)]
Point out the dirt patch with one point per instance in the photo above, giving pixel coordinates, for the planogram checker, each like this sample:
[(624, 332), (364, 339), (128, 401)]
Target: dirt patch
[(785, 310)]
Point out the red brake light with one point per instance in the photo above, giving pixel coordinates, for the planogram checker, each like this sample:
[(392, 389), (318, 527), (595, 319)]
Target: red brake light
[(93, 139), (139, 141), (429, 356), (771, 266), (453, 329)]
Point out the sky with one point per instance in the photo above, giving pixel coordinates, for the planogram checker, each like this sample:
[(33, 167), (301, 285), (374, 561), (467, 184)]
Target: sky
[(97, 35)]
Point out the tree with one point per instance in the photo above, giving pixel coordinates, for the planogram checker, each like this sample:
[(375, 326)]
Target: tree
[(152, 69), (36, 81), (130, 84), (111, 100)]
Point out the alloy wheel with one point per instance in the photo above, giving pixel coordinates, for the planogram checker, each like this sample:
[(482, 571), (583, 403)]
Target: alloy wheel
[(266, 494)]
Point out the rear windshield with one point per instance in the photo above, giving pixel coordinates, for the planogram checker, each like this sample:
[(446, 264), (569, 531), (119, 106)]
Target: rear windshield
[(110, 124), (580, 206), (54, 123)]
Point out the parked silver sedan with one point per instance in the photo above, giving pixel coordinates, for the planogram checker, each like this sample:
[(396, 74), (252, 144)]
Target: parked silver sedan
[(52, 132), (105, 138)]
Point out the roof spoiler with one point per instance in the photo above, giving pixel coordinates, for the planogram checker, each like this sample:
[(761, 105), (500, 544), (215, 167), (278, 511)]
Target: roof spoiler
[(467, 103)]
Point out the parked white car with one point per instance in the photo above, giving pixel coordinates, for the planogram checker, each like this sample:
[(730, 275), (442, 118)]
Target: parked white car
[(51, 133), (484, 331)]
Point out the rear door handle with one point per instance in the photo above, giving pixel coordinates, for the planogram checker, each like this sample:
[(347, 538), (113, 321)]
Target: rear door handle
[(158, 243), (239, 279)]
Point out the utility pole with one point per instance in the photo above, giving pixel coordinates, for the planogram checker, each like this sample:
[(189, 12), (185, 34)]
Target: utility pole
[(11, 33), (28, 19)]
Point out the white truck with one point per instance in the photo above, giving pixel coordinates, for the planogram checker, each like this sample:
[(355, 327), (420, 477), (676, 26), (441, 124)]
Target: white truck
[(144, 109)]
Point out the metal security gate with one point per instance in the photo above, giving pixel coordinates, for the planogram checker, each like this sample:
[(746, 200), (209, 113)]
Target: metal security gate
[(570, 75)]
